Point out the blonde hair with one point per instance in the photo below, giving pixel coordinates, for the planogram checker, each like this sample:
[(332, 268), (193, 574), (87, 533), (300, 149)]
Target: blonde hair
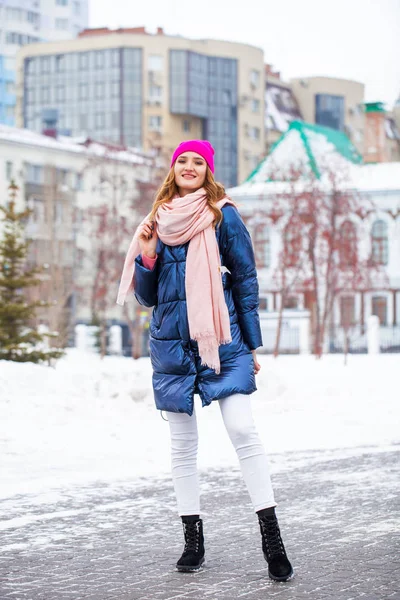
[(168, 190)]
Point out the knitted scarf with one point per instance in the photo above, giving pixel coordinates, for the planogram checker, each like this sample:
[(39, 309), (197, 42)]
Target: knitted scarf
[(189, 219)]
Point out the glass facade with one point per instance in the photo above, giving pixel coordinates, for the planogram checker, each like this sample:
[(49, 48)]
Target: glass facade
[(96, 93), (206, 87), (329, 111)]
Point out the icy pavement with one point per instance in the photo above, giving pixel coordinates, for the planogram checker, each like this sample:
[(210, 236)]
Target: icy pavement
[(339, 517)]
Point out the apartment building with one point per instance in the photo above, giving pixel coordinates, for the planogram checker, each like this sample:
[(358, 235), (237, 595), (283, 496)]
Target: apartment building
[(25, 22), (149, 91)]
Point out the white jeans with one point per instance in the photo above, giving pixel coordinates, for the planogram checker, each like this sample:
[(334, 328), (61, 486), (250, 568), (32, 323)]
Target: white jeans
[(238, 420)]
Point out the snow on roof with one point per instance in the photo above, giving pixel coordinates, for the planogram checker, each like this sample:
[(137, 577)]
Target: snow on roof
[(305, 146), (81, 146)]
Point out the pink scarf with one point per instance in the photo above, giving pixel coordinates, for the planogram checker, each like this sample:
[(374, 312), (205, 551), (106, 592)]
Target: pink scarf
[(189, 219)]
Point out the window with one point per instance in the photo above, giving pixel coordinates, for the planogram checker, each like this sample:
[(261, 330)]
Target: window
[(186, 125), (347, 311), (62, 2), (37, 206), (62, 24), (292, 244), (99, 59), (83, 60), (253, 133), (254, 77), (291, 302), (34, 173), (329, 111), (263, 304), (262, 248), (9, 170), (60, 93), (226, 97), (348, 245), (255, 105), (45, 93), (99, 120), (30, 95), (380, 243), (60, 63), (155, 92), (115, 88), (77, 8), (83, 91), (45, 64), (10, 87), (155, 62), (379, 308), (99, 89), (78, 182), (115, 60), (155, 123)]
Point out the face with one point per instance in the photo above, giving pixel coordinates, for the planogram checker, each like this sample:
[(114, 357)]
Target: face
[(190, 172)]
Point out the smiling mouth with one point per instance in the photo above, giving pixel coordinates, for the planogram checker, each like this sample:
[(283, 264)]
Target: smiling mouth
[(189, 176)]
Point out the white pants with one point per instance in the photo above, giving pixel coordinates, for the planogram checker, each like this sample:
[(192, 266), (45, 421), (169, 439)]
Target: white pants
[(238, 420)]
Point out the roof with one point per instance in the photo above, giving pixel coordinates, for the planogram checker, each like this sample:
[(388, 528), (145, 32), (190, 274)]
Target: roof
[(82, 146), (306, 146)]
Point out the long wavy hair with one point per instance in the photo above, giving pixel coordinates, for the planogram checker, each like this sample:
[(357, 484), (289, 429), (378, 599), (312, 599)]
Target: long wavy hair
[(168, 190)]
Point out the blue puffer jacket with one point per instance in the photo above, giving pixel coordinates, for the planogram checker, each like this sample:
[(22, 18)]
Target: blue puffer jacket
[(177, 370)]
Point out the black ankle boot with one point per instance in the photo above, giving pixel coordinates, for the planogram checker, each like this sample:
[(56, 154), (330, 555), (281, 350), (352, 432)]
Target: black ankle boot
[(193, 553), (279, 567)]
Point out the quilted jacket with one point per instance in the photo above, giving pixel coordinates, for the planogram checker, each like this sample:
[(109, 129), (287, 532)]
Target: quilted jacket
[(177, 370)]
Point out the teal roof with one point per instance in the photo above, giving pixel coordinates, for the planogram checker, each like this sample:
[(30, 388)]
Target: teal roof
[(309, 143)]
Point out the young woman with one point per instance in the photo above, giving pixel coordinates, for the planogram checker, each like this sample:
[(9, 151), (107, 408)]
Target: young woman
[(192, 259)]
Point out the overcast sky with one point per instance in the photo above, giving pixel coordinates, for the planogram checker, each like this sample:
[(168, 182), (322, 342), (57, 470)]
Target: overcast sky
[(353, 39)]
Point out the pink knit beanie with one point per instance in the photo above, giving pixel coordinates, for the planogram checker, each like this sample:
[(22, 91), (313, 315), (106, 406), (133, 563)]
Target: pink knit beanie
[(202, 147)]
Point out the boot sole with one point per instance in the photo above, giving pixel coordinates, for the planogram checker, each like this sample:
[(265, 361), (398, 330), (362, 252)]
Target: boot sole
[(187, 569), (284, 578)]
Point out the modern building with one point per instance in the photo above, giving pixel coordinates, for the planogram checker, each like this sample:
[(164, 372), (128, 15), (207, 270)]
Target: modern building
[(25, 22), (333, 102), (150, 92)]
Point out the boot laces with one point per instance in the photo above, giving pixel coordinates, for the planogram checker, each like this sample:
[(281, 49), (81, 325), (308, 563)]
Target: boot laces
[(192, 536), (272, 537)]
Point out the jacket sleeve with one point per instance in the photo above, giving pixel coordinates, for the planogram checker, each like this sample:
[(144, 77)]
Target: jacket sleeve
[(238, 254), (145, 283)]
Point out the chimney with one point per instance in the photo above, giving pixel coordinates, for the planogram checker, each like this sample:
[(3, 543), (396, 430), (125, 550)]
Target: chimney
[(375, 135)]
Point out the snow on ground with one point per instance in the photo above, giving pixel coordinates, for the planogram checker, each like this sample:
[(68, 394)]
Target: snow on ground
[(88, 419)]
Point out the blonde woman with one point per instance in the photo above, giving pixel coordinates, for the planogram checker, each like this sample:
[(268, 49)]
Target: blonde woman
[(192, 259)]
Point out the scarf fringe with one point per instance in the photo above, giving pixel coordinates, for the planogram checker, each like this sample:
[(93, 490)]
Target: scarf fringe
[(208, 349)]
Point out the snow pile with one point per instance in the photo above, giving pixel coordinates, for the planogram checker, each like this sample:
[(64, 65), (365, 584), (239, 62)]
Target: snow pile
[(89, 419)]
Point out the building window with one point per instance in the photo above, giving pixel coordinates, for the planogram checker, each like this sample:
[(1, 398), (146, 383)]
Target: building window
[(83, 60), (99, 89), (45, 93), (379, 308), (380, 243), (155, 123), (291, 302), (292, 244), (186, 125), (83, 91), (62, 2), (60, 63), (254, 78), (62, 24), (9, 170), (77, 8), (45, 64), (115, 88), (263, 304), (155, 92), (348, 245), (99, 59), (60, 93), (253, 133), (329, 111), (99, 120), (155, 62), (262, 249), (115, 57), (30, 95), (255, 105), (347, 311), (34, 173)]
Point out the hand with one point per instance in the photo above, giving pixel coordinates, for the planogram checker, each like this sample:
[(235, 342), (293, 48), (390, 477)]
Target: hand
[(147, 237), (257, 365)]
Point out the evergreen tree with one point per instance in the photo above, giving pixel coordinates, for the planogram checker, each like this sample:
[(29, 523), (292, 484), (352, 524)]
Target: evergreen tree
[(19, 340)]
